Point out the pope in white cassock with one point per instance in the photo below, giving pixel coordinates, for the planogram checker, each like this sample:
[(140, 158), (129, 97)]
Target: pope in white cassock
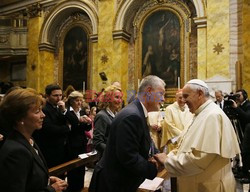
[(202, 160)]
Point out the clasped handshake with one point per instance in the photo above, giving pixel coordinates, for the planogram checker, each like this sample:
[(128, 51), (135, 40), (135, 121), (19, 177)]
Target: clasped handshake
[(159, 160)]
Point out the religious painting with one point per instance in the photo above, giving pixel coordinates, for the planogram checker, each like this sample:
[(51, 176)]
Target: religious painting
[(75, 58), (161, 47)]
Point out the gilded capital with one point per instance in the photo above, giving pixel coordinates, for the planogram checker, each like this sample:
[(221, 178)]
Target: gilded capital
[(34, 10)]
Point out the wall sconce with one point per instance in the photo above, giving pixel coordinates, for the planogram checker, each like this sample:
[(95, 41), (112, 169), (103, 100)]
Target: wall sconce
[(103, 76)]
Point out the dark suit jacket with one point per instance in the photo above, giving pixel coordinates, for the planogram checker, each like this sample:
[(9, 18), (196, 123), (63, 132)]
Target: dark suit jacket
[(77, 140), (22, 169), (5, 128), (243, 114), (125, 162), (52, 138), (224, 106), (102, 125)]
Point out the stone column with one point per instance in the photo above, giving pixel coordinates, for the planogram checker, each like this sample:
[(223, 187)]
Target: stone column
[(201, 47), (104, 61), (121, 64), (33, 60)]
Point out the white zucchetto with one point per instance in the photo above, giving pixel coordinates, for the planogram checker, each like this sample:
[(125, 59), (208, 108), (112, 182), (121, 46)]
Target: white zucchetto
[(198, 82)]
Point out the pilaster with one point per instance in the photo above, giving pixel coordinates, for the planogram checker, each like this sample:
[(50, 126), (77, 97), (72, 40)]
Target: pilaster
[(218, 38), (246, 45), (201, 47), (33, 59)]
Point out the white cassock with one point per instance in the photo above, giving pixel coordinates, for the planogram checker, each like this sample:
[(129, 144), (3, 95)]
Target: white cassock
[(154, 118), (176, 119), (201, 161)]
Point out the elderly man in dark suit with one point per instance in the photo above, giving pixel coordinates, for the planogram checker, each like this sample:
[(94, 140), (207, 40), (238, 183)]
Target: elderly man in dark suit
[(127, 159), (219, 99)]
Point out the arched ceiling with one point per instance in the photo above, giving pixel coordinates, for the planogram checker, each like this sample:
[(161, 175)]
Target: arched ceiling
[(58, 16), (129, 9)]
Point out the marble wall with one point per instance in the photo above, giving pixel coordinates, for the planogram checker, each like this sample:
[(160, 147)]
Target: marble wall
[(222, 39), (246, 45)]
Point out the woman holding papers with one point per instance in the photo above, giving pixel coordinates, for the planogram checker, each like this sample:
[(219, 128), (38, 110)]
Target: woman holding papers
[(79, 123)]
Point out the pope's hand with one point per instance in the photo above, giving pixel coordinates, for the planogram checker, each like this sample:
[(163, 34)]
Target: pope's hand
[(160, 157), (158, 165), (58, 184)]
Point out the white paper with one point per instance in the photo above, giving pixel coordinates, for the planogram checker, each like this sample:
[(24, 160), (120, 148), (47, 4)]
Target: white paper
[(152, 185), (83, 156), (92, 153)]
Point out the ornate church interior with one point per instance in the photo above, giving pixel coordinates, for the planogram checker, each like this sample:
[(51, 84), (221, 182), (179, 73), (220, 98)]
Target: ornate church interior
[(72, 42), (90, 44)]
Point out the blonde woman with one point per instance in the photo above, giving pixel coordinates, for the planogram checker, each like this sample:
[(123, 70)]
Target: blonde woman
[(109, 105), (77, 141)]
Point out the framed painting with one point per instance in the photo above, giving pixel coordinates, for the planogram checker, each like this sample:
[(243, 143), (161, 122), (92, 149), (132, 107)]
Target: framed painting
[(161, 47), (75, 58)]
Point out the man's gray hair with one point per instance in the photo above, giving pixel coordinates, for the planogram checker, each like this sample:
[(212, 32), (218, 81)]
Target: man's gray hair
[(219, 91), (197, 87), (152, 81)]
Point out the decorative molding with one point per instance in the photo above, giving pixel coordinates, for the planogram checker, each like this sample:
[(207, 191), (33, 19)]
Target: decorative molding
[(201, 22), (46, 47), (118, 2), (200, 6), (121, 34), (55, 20), (218, 48), (104, 59), (13, 51), (21, 6), (93, 38), (34, 10), (4, 39)]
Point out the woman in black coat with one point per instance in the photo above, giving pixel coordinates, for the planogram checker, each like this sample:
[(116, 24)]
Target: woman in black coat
[(77, 141), (22, 165)]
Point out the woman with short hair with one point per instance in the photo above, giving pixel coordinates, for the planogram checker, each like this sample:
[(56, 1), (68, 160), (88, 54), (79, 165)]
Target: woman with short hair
[(77, 140), (23, 167)]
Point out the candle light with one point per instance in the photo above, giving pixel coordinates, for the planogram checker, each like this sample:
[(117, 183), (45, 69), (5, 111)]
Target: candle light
[(179, 85), (83, 86)]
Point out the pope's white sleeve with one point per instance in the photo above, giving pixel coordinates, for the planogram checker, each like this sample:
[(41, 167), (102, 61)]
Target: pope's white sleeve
[(186, 164)]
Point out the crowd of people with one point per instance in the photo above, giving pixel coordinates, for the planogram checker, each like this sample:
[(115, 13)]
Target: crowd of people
[(194, 140)]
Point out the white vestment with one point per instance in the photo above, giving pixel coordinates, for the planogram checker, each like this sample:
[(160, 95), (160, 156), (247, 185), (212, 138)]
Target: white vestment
[(201, 161), (176, 119)]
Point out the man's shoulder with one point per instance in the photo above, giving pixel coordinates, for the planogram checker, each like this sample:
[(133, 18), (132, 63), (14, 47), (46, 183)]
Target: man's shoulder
[(103, 114), (247, 103), (132, 108), (47, 106), (131, 111)]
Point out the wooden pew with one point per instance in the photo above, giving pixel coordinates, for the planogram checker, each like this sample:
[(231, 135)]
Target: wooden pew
[(67, 166)]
